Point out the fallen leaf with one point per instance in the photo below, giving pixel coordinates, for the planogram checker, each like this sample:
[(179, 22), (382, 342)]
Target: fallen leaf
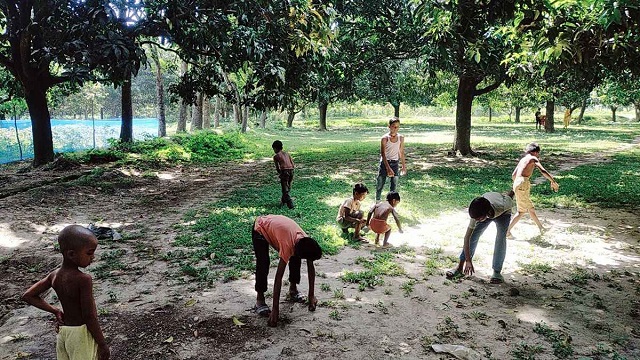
[(169, 340), (237, 322), (191, 302)]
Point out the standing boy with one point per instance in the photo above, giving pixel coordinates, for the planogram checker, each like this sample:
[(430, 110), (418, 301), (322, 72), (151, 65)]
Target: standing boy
[(79, 336), (391, 156), (349, 214), (284, 167), (293, 245), (378, 215), (538, 119), (490, 207), (522, 185)]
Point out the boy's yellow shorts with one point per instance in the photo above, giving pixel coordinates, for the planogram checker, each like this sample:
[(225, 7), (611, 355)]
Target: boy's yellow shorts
[(76, 343), (522, 188)]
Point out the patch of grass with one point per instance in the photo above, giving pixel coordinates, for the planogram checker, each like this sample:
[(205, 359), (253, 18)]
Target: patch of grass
[(524, 351), (380, 305), (338, 294), (335, 315), (365, 278), (535, 268), (19, 337), (110, 261), (325, 287), (449, 331), (581, 277), (436, 261), (560, 341), (407, 287), (382, 264)]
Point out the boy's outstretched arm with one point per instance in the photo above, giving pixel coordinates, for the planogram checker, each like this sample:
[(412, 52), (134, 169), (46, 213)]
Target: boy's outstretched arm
[(397, 219), (468, 263), (311, 271), (32, 296), (90, 316), (546, 174), (277, 286)]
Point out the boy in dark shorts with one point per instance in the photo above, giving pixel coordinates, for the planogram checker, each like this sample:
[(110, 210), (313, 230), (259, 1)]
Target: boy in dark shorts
[(293, 245), (79, 336), (284, 167)]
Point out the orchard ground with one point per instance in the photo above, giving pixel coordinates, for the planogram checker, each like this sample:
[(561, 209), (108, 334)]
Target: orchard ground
[(570, 293)]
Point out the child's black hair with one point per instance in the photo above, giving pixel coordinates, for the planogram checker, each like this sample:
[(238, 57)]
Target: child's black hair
[(394, 120), (277, 145), (74, 237), (393, 195), (360, 188), (533, 147), (308, 248), (479, 207)]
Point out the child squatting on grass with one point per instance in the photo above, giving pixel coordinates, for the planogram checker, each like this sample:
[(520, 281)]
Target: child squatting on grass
[(490, 207), (284, 167), (349, 214), (79, 334), (293, 245), (522, 185), (391, 156), (378, 215)]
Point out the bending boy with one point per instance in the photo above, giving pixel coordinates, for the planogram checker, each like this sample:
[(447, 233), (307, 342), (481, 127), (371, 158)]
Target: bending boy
[(522, 185), (378, 215), (79, 336), (293, 245), (490, 207)]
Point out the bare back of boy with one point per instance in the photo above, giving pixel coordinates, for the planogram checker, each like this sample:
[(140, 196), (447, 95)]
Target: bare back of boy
[(525, 167), (383, 210), (74, 290)]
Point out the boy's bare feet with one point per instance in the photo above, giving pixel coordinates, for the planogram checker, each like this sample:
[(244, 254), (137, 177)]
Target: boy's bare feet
[(510, 236), (313, 303), (361, 239), (387, 246)]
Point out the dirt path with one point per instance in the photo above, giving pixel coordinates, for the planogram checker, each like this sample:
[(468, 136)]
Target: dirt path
[(576, 286)]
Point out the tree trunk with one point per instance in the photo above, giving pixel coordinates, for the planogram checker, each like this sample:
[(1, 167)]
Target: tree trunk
[(548, 124), (237, 115), (462, 141), (162, 121), (40, 126), (323, 115), (396, 109), (637, 106), (263, 119), (518, 109), (245, 118), (490, 113), (182, 117), (196, 116), (217, 111), (291, 114), (126, 130), (613, 112), (206, 112), (582, 109)]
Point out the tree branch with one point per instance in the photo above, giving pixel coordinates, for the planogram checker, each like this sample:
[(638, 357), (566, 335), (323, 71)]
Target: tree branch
[(491, 87)]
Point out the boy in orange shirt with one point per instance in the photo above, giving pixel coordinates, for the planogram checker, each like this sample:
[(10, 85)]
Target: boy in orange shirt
[(79, 336), (293, 245)]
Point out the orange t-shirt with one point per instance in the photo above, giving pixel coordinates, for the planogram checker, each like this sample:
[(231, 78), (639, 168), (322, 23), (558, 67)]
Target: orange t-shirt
[(280, 232)]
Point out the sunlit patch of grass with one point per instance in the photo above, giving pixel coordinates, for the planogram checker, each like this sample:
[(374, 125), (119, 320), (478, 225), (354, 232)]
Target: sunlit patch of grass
[(535, 268)]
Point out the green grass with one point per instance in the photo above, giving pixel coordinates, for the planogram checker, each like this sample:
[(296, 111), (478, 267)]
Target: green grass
[(329, 163)]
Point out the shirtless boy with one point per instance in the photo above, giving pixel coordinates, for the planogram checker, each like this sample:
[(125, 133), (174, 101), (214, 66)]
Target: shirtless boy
[(79, 336), (522, 185)]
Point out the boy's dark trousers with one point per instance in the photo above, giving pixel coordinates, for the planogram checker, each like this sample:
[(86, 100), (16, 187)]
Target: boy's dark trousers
[(261, 249), (286, 178)]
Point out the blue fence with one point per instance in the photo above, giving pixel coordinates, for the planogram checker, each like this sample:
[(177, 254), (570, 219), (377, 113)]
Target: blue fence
[(68, 135)]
